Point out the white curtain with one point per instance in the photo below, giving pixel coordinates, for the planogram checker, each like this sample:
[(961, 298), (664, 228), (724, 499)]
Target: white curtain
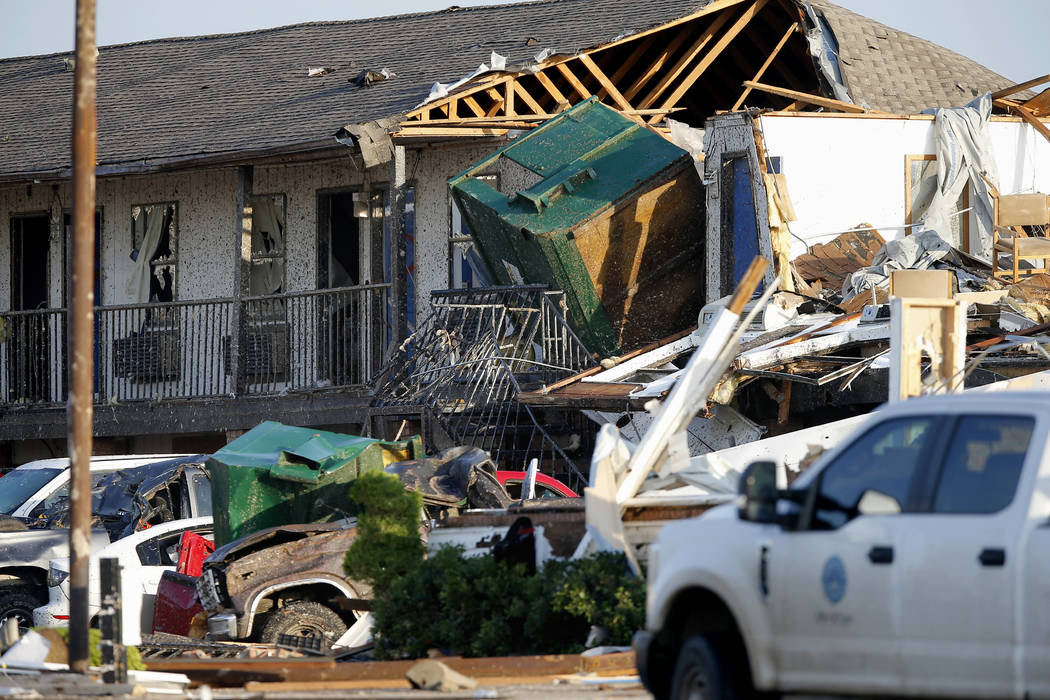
[(138, 285), (267, 241)]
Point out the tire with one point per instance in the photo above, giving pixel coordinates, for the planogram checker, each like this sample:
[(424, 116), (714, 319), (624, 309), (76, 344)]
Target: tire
[(303, 619), (18, 603), (699, 674)]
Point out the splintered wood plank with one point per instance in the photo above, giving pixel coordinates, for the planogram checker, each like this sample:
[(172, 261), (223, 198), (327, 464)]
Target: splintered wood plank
[(709, 58), (1040, 104), (807, 98), (604, 81), (1033, 120), (573, 80), (765, 65), (683, 62), (521, 92), (551, 88)]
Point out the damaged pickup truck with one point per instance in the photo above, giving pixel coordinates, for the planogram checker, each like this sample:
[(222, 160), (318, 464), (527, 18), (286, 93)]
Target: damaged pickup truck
[(289, 580), (285, 580)]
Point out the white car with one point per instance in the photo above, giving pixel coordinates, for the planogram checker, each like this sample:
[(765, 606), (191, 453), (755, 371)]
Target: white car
[(36, 486), (144, 557)]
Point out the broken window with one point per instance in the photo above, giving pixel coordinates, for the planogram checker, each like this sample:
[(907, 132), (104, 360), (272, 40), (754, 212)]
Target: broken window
[(466, 268), (739, 222), (920, 186), (266, 274), (154, 248)]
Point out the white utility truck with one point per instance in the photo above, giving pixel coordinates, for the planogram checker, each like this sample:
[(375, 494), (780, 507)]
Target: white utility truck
[(911, 560)]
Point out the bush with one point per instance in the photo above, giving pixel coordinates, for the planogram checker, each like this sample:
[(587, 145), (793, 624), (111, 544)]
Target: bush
[(387, 544), (475, 606)]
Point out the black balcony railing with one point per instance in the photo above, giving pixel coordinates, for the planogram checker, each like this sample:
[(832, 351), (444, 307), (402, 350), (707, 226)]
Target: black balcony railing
[(294, 342)]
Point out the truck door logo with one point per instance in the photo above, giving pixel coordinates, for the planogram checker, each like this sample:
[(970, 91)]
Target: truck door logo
[(834, 579)]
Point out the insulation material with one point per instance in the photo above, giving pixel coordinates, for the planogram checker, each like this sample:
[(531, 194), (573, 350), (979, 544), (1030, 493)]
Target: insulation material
[(779, 235)]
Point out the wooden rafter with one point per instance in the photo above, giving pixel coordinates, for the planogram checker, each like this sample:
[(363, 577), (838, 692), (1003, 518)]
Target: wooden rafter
[(605, 82), (551, 88), (711, 55), (670, 76), (579, 87), (655, 66), (1014, 89), (629, 63), (1027, 116), (765, 65), (818, 100), (662, 64)]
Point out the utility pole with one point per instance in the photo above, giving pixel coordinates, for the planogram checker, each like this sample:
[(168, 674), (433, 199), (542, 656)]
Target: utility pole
[(79, 410)]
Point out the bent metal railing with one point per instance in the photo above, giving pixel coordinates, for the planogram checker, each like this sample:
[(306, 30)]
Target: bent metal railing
[(300, 341)]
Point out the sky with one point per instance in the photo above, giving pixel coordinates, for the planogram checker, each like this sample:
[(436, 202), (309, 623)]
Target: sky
[(1007, 36)]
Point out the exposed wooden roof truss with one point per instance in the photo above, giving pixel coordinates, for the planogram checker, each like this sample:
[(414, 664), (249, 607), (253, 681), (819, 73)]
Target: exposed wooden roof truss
[(691, 68)]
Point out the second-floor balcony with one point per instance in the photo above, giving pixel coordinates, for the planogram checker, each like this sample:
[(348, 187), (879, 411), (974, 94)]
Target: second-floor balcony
[(260, 346)]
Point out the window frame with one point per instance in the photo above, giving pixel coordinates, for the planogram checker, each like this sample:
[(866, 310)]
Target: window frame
[(254, 259), (173, 236), (909, 161), (918, 500), (937, 467)]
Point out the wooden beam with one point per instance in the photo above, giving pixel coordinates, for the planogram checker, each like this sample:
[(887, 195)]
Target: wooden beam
[(656, 65), (508, 97), (449, 131), (497, 102), (765, 65), (1006, 92), (638, 52), (1030, 118), (527, 98), (473, 106), (709, 58), (604, 81), (574, 81), (807, 98), (683, 62), (709, 9), (551, 87)]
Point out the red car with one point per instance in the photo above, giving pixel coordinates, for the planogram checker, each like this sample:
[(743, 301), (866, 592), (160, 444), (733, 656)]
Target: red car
[(546, 486)]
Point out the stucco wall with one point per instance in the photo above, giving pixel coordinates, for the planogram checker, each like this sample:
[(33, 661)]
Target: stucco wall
[(207, 224)]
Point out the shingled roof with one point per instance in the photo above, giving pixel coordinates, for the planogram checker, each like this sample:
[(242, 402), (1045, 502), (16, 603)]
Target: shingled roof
[(234, 94), (896, 72)]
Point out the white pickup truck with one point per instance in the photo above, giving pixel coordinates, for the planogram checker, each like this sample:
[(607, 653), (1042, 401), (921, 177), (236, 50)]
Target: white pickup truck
[(911, 560)]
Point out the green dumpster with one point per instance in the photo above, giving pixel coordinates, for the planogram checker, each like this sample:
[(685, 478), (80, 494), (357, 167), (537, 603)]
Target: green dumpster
[(602, 208), (278, 474)]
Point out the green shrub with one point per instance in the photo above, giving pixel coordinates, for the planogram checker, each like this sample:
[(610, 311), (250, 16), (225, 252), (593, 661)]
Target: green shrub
[(475, 606), (387, 544), (95, 654)]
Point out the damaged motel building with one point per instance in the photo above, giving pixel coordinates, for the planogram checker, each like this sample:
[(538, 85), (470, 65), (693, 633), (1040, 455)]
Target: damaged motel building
[(277, 238)]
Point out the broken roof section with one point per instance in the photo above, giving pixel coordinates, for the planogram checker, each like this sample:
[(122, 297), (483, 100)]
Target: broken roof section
[(706, 60), (173, 102)]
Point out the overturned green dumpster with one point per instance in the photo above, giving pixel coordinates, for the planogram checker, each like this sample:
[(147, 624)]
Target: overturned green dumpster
[(279, 475), (608, 211)]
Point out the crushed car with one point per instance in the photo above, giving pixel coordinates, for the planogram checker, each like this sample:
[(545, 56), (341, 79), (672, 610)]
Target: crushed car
[(123, 500)]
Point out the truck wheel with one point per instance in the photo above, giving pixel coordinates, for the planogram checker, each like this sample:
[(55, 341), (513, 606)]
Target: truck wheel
[(699, 675), (303, 619), (18, 604)]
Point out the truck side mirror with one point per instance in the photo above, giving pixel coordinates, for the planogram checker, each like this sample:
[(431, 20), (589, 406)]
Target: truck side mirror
[(758, 493)]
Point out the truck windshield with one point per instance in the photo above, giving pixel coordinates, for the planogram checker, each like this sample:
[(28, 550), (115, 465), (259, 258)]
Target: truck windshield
[(19, 485)]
